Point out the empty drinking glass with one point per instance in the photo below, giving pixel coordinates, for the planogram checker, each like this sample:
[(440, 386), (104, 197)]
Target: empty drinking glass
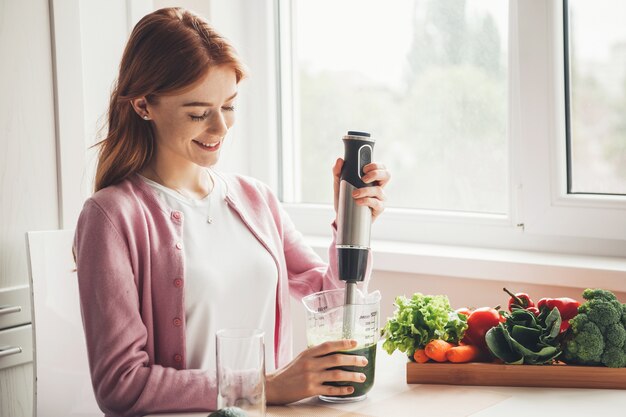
[(241, 370)]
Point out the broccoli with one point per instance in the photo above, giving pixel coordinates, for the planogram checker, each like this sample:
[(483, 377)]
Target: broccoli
[(597, 335)]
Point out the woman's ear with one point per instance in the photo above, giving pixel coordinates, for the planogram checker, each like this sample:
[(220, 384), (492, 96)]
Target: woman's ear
[(141, 107)]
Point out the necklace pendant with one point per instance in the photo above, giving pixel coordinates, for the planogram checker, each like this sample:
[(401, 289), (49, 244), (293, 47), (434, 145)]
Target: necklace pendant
[(209, 220)]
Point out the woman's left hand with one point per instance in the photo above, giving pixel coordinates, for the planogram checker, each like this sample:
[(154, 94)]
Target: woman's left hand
[(372, 197)]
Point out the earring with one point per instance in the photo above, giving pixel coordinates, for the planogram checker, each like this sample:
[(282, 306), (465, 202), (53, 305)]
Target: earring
[(145, 117)]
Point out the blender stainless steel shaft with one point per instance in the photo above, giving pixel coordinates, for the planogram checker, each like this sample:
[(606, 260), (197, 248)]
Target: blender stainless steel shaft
[(353, 222)]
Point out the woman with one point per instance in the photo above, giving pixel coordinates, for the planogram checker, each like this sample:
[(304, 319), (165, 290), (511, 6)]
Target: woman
[(168, 251)]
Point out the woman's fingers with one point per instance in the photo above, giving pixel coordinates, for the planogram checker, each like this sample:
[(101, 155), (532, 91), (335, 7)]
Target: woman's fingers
[(337, 375), (308, 374), (376, 172), (338, 359), (337, 168), (331, 391), (328, 355), (332, 346), (375, 192), (374, 203), (371, 197), (336, 180)]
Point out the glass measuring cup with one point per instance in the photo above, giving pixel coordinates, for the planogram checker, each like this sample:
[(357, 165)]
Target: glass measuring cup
[(324, 312)]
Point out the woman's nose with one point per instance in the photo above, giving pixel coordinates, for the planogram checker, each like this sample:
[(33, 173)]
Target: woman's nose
[(217, 125)]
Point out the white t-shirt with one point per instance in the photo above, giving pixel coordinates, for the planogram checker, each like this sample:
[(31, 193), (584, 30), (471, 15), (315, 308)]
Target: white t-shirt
[(230, 278)]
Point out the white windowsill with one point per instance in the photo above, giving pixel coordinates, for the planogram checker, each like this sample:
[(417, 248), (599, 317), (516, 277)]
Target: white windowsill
[(494, 264)]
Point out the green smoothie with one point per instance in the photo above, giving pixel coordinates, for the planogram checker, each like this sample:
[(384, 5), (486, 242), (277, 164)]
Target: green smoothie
[(360, 388)]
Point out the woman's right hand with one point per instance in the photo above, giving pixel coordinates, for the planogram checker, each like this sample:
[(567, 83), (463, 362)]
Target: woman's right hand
[(305, 375)]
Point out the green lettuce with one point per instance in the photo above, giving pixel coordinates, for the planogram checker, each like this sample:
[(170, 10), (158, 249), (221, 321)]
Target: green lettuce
[(419, 320)]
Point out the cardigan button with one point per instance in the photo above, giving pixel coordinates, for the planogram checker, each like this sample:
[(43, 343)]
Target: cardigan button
[(177, 322), (179, 245), (178, 282), (178, 358), (177, 215)]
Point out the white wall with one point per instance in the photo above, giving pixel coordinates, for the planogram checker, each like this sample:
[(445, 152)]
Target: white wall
[(28, 169), (101, 56)]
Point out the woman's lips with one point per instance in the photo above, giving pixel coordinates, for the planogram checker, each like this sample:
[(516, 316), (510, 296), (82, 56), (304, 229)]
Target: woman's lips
[(209, 147)]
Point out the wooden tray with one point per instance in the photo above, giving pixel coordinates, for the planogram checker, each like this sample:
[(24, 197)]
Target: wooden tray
[(557, 376)]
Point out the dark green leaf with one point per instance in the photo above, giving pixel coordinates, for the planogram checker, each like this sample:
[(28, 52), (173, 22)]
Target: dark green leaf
[(536, 357), (552, 325), (499, 343), (522, 318), (527, 336), (522, 345)]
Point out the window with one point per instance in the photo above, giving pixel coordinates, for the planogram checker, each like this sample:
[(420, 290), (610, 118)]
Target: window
[(466, 99), (428, 79), (597, 96)]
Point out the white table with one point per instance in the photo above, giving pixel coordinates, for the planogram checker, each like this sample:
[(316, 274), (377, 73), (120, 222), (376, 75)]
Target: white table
[(391, 396)]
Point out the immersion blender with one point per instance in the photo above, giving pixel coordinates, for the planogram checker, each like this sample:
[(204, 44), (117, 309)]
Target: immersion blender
[(353, 222)]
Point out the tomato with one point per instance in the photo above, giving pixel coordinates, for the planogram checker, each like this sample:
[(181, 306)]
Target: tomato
[(478, 323), (464, 310)]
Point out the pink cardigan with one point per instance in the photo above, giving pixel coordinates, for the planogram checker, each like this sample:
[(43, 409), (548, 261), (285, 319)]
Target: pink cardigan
[(131, 275)]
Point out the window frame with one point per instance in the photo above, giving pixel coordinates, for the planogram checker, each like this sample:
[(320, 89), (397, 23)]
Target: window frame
[(547, 206), (542, 215), (568, 106)]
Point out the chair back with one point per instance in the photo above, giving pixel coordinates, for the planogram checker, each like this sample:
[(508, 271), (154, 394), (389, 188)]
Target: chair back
[(62, 380)]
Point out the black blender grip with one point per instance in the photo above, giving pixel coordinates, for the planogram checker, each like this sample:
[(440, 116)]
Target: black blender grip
[(358, 153)]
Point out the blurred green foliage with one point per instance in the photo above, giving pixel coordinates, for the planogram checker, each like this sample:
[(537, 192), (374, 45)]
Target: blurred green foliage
[(442, 130), (443, 133)]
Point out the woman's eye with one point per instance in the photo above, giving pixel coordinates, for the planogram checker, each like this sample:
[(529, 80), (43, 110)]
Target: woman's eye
[(228, 108), (199, 118)]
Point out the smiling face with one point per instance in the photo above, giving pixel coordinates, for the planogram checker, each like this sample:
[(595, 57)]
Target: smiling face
[(190, 126)]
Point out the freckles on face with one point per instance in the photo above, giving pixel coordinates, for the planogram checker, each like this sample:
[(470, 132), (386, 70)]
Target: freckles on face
[(192, 125)]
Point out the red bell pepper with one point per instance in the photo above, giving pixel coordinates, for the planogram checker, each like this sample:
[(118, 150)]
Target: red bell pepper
[(568, 307), (533, 310), (519, 300)]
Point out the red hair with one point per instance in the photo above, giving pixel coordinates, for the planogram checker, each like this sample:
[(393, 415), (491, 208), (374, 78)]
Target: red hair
[(168, 50)]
